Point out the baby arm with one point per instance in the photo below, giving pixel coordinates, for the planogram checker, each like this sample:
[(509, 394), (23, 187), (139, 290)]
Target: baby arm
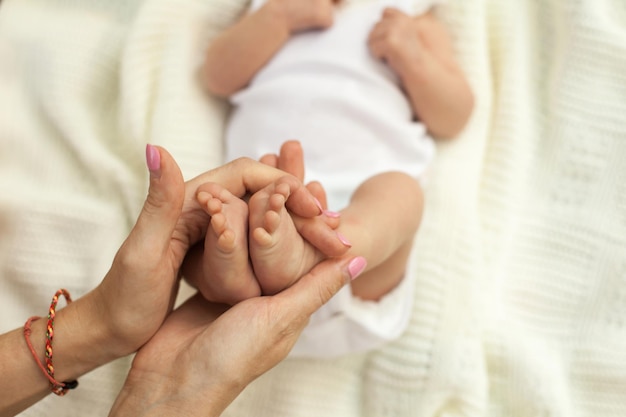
[(235, 56), (420, 51)]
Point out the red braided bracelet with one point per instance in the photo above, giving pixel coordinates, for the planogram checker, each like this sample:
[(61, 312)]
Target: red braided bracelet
[(59, 388)]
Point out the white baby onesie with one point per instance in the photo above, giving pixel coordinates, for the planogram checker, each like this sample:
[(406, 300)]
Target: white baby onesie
[(325, 89), (347, 109)]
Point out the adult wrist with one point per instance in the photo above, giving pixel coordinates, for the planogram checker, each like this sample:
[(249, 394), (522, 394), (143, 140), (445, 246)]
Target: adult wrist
[(152, 394), (81, 341)]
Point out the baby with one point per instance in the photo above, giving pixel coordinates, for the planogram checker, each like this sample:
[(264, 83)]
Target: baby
[(365, 86)]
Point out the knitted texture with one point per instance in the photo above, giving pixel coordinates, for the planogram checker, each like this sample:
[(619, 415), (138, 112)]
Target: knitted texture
[(520, 303), (84, 85)]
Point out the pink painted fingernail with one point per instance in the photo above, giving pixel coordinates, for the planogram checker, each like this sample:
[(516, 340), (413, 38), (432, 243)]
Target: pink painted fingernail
[(356, 267), (153, 160), (332, 214), (344, 240), (319, 205)]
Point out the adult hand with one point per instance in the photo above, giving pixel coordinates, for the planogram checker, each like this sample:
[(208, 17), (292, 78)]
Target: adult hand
[(204, 355), (132, 301), (139, 290), (303, 203), (291, 160), (117, 317)]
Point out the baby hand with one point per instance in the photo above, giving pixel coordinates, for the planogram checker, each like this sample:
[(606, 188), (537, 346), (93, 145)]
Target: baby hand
[(396, 40), (307, 14)]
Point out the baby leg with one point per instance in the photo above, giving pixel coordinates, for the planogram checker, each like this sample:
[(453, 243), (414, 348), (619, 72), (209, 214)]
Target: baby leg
[(228, 275), (280, 255), (381, 220)]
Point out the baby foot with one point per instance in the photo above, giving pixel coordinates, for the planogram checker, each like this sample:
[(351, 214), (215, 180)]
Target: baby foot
[(228, 275), (279, 254)]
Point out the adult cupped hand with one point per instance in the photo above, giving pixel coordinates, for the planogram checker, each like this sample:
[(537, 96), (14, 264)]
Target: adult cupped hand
[(318, 229), (205, 354), (137, 295), (139, 290)]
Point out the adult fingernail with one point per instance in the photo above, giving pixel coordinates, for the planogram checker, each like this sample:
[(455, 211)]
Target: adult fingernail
[(332, 214), (344, 240), (356, 267), (153, 160), (319, 205)]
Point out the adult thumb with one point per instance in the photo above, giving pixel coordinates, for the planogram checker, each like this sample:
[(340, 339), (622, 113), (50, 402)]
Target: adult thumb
[(319, 285), (163, 205)]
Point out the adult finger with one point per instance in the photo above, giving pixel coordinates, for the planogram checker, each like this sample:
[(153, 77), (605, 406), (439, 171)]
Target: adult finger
[(318, 191), (139, 288), (241, 176), (291, 159), (330, 217), (317, 287), (245, 175), (299, 199), (163, 205), (269, 159), (321, 232)]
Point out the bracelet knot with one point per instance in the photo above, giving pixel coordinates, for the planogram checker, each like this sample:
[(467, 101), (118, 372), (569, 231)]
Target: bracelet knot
[(59, 388)]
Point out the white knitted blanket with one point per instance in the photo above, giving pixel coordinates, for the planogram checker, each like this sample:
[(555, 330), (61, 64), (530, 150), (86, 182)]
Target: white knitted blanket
[(521, 298)]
